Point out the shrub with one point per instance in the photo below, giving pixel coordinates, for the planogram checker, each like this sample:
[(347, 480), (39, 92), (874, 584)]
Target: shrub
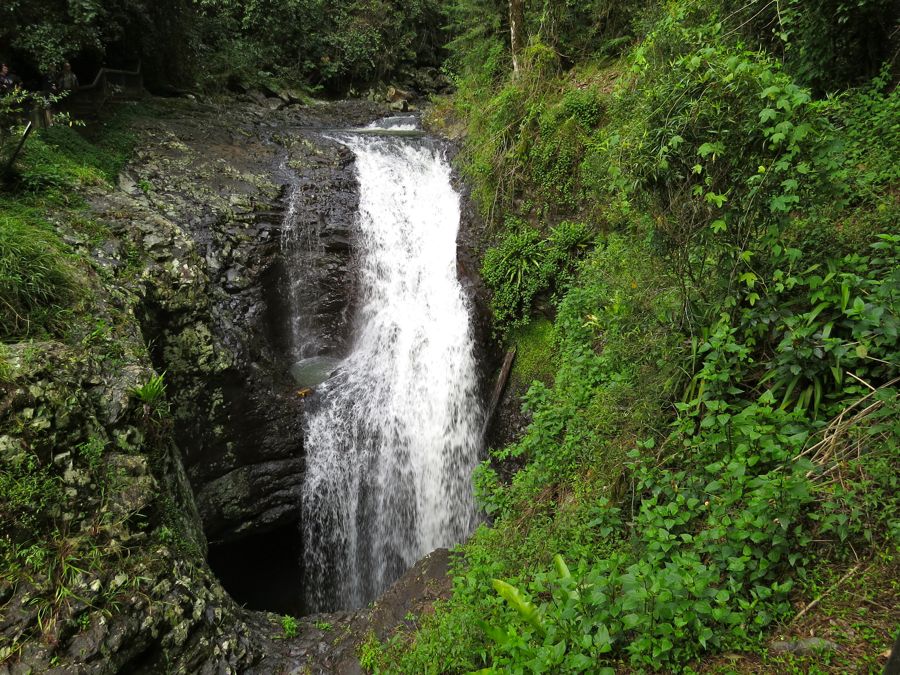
[(289, 627), (525, 265)]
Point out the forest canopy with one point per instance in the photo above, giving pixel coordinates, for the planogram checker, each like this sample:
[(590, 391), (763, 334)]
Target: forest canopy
[(216, 43), (336, 46)]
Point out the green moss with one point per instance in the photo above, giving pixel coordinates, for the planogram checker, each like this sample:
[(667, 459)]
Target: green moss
[(58, 158), (535, 354)]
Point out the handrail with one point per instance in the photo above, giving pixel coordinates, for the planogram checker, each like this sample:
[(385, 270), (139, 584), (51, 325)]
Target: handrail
[(12, 160), (104, 71), (104, 87)]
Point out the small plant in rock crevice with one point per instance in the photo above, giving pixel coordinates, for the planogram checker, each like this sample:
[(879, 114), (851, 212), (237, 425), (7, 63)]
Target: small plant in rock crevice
[(289, 627), (152, 395)]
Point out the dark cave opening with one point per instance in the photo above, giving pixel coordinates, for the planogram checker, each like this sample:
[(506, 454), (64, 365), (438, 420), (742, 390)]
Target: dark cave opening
[(262, 571)]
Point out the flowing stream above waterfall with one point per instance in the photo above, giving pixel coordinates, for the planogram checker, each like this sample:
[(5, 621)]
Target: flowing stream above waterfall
[(393, 434)]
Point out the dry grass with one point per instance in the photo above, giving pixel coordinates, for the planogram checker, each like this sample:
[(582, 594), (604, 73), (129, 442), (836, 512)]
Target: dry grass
[(837, 445)]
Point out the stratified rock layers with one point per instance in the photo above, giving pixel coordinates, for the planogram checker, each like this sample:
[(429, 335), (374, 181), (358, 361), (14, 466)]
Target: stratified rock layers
[(217, 307)]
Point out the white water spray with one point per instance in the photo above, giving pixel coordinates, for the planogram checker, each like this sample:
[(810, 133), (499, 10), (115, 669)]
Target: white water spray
[(394, 437), (299, 251)]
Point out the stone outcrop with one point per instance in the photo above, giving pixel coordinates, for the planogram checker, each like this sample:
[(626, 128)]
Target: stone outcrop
[(115, 579), (185, 260), (205, 198)]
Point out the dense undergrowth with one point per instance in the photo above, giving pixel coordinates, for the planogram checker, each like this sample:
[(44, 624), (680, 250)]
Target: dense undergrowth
[(716, 241)]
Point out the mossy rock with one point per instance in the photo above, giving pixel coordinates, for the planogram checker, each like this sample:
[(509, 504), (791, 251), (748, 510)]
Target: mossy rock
[(535, 354)]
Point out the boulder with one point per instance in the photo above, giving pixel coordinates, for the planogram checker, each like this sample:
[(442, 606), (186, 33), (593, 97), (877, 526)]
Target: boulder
[(803, 646)]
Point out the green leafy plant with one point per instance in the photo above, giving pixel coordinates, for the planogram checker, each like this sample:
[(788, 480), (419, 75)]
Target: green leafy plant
[(519, 603), (91, 451), (152, 391), (31, 493), (289, 627), (370, 654), (525, 265), (152, 395)]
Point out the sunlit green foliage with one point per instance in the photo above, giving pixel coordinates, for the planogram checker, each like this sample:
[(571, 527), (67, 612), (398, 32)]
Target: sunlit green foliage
[(723, 414)]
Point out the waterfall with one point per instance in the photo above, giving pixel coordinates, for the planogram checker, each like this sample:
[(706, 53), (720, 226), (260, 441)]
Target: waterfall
[(394, 434), (300, 245)]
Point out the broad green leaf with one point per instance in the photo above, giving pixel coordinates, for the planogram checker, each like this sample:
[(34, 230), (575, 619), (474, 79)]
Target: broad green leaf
[(512, 595)]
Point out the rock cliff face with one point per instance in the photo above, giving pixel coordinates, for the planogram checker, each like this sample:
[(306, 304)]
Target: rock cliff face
[(212, 197), (187, 276)]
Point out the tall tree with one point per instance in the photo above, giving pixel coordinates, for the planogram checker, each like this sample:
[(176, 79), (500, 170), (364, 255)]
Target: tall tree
[(517, 31)]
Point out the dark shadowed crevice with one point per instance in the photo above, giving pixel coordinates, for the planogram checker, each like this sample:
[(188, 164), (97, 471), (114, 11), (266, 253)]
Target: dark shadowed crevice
[(262, 571)]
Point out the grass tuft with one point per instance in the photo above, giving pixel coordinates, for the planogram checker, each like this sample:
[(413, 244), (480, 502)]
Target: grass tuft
[(36, 281)]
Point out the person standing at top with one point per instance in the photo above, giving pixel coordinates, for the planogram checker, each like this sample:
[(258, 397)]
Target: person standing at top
[(7, 83), (44, 99), (68, 81), (49, 83)]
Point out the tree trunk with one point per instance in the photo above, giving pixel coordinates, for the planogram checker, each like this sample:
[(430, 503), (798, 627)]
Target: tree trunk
[(517, 31)]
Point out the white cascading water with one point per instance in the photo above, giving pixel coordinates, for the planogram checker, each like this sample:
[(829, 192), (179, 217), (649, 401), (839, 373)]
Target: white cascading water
[(394, 436)]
